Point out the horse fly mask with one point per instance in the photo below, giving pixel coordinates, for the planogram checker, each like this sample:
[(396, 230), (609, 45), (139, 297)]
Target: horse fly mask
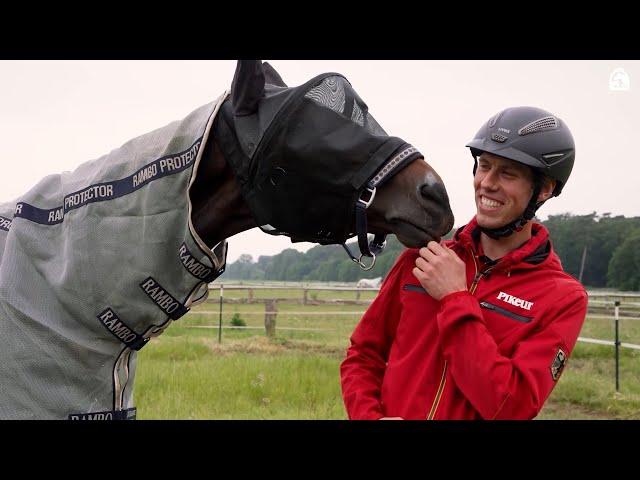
[(95, 262), (308, 158)]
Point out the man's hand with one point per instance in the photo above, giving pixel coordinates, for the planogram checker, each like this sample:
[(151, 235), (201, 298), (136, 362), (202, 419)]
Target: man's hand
[(440, 271)]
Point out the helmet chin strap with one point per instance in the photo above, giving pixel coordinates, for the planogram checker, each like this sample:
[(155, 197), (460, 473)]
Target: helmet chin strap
[(518, 224)]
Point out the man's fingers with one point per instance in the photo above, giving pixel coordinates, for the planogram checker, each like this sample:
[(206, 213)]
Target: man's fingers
[(422, 264), (419, 274), (427, 254), (450, 252), (435, 247), (455, 256)]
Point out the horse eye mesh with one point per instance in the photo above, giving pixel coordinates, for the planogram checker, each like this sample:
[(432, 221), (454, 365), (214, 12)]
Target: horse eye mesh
[(332, 93), (357, 115), (374, 128)]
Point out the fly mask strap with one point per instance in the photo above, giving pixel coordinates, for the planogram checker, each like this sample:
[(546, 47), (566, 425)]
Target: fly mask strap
[(365, 199)]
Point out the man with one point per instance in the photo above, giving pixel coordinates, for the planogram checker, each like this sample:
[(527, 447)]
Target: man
[(479, 327)]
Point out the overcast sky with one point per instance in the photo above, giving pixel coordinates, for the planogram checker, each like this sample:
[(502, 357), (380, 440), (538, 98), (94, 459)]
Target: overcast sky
[(55, 115)]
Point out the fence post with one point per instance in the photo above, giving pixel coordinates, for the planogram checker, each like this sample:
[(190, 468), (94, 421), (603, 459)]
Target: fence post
[(617, 318), (270, 313), (250, 296), (220, 321), (304, 297)]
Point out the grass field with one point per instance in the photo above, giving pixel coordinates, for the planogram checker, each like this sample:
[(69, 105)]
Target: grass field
[(187, 374)]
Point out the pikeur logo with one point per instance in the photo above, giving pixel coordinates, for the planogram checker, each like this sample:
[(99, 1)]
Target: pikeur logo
[(517, 302)]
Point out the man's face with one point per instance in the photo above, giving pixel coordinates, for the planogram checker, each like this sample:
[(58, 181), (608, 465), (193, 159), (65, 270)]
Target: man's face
[(503, 189)]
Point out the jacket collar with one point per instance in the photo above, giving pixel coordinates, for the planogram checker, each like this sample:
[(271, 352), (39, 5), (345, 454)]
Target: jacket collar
[(533, 252)]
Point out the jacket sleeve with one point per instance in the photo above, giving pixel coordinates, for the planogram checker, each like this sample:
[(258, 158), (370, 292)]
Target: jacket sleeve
[(363, 369), (497, 386)]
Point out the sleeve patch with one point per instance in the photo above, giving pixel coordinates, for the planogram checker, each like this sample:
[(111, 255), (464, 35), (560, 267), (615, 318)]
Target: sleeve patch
[(558, 364)]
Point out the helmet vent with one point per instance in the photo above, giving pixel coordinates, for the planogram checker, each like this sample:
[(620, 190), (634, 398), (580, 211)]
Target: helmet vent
[(553, 158), (493, 121), (546, 123), (498, 138)]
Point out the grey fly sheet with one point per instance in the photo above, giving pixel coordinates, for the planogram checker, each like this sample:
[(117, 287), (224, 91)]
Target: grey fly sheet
[(93, 263)]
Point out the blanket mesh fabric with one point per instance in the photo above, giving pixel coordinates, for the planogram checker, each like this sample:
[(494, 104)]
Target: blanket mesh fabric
[(93, 260)]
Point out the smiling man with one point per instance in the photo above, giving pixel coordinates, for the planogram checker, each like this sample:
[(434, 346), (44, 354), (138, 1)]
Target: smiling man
[(479, 327)]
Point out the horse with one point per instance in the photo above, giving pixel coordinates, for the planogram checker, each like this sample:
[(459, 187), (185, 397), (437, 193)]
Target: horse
[(96, 262)]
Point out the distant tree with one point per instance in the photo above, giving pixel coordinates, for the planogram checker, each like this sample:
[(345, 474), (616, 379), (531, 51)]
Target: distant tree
[(245, 258), (600, 235), (624, 268)]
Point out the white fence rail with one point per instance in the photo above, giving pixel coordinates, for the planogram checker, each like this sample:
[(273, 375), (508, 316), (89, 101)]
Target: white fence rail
[(599, 300), (623, 299)]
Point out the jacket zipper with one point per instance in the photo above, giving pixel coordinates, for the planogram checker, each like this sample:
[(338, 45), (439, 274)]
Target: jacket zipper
[(506, 313), (436, 401), (414, 288), (479, 274), (474, 285)]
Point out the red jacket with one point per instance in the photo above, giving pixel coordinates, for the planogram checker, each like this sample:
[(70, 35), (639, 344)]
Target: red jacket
[(493, 352)]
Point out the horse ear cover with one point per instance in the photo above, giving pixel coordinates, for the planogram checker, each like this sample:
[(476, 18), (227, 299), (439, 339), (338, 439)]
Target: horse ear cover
[(248, 87)]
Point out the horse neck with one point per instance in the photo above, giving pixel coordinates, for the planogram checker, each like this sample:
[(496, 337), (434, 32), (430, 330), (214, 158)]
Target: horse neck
[(218, 208)]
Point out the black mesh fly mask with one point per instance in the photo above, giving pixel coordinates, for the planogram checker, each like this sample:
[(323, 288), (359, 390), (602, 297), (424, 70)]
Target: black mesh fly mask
[(308, 158)]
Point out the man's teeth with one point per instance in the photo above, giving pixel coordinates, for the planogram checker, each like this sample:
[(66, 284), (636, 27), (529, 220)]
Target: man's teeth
[(489, 203)]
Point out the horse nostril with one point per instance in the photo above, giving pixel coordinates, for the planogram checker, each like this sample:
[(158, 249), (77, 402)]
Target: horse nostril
[(435, 193)]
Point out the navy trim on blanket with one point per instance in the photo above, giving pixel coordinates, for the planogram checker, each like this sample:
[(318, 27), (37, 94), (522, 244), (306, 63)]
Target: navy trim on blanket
[(127, 414), (192, 264), (163, 299), (121, 330), (100, 192), (5, 223)]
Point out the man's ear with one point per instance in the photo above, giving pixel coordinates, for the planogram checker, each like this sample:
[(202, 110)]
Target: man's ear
[(548, 186), (247, 87)]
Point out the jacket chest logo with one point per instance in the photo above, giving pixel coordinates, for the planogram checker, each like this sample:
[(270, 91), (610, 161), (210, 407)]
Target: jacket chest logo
[(515, 301)]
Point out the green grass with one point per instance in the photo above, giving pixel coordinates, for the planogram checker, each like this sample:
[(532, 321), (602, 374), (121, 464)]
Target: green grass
[(187, 374), (334, 330), (195, 378), (587, 386)]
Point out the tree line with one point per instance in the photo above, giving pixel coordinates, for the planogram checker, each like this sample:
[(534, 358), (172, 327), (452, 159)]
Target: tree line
[(601, 250)]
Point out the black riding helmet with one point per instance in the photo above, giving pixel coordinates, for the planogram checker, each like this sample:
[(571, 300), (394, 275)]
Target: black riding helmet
[(533, 137)]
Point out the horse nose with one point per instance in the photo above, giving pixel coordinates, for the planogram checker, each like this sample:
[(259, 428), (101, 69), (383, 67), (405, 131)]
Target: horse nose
[(436, 193)]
